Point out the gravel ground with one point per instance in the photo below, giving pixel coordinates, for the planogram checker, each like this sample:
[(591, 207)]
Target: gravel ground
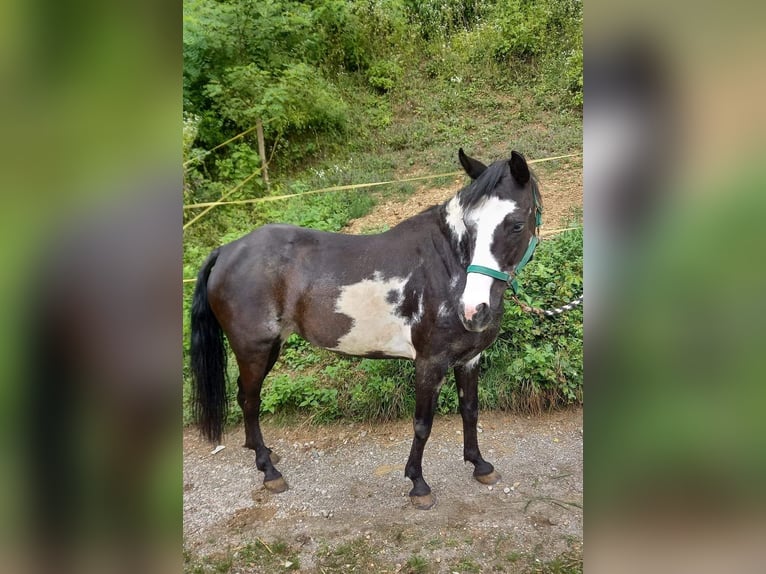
[(347, 487)]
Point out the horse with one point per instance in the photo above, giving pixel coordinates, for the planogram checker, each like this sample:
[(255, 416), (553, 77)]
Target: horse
[(429, 289)]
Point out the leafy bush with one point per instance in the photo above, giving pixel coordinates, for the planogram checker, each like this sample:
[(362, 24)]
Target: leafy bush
[(384, 74), (283, 392), (538, 363), (439, 19), (523, 27), (327, 212)]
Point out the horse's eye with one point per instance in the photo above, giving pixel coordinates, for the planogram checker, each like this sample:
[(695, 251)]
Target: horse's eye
[(517, 227)]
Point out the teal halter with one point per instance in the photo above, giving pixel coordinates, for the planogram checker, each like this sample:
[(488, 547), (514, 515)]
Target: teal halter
[(511, 278)]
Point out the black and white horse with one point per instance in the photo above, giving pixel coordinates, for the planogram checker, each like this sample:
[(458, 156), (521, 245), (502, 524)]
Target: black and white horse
[(430, 289)]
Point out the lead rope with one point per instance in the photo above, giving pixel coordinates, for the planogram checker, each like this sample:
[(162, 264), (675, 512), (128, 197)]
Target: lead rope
[(547, 312)]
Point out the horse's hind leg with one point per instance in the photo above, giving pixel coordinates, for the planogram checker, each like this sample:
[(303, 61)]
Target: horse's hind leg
[(252, 372), (467, 379)]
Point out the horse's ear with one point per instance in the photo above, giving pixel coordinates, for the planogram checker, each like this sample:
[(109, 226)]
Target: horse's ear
[(473, 167), (519, 168)]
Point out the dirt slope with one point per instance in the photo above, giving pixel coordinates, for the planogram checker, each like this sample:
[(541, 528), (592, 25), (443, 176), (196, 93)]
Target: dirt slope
[(560, 186)]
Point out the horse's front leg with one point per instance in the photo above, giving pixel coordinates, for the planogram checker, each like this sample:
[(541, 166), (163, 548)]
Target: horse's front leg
[(467, 379), (428, 381)]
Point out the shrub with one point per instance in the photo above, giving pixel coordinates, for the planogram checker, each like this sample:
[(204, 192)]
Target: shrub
[(384, 74)]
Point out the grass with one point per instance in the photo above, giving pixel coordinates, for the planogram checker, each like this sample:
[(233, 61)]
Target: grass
[(378, 556), (569, 562), (359, 553), (277, 556), (417, 565)]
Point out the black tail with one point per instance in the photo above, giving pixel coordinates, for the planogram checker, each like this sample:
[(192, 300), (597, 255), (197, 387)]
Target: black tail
[(208, 360)]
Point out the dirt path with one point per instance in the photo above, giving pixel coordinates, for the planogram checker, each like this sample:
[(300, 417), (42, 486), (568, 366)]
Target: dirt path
[(348, 510), (561, 188)]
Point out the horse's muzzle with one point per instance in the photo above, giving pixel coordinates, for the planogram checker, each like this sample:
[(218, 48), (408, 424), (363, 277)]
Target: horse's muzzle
[(478, 320)]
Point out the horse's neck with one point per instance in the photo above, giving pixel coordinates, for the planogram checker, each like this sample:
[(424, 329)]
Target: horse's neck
[(459, 247), (458, 238)]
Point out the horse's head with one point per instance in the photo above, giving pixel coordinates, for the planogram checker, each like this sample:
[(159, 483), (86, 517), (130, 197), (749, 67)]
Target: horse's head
[(499, 212)]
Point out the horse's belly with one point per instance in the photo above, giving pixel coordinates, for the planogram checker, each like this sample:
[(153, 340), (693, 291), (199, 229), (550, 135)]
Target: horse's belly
[(376, 326)]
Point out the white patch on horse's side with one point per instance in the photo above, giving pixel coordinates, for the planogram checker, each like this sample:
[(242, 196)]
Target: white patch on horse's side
[(455, 218), (375, 325), (473, 363), (485, 217), (443, 310), (419, 315), (454, 281)]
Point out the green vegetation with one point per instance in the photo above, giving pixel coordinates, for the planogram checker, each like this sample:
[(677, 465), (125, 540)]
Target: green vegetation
[(365, 555), (277, 556), (373, 90)]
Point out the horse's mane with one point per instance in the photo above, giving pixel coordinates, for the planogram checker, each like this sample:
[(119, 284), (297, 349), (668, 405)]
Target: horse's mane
[(481, 187)]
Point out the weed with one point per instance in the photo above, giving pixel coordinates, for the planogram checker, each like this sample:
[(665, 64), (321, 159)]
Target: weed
[(416, 565), (569, 562), (356, 553), (269, 557), (465, 566)]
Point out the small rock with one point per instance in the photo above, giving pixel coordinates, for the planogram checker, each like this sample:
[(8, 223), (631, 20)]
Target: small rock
[(323, 492), (390, 438), (288, 564), (507, 490), (438, 559), (489, 488)]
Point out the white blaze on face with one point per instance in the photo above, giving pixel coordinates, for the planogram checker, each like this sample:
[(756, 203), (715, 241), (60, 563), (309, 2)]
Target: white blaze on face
[(375, 325), (484, 218)]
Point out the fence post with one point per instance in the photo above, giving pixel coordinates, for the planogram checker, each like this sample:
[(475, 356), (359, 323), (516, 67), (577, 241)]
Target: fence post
[(262, 151)]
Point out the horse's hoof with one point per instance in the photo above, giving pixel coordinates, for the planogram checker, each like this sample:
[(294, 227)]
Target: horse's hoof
[(425, 502), (274, 458), (491, 478), (276, 486)]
